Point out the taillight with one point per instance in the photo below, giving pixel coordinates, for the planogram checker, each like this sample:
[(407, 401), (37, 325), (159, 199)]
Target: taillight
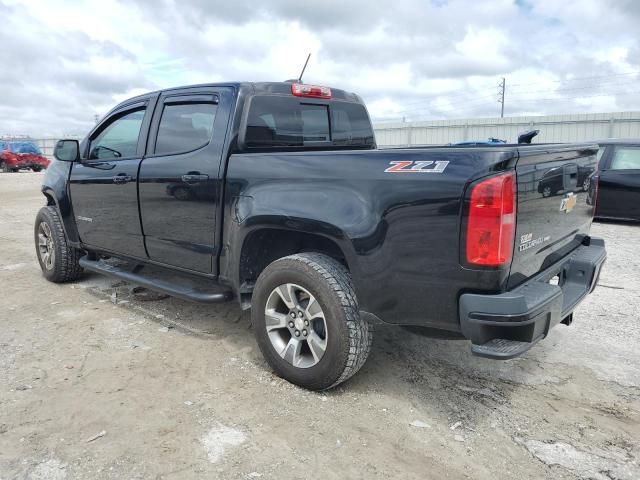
[(491, 221), (303, 90)]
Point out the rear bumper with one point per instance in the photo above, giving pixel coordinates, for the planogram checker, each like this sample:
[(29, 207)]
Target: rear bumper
[(506, 325)]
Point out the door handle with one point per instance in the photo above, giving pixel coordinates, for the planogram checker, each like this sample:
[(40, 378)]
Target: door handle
[(194, 178), (121, 178)]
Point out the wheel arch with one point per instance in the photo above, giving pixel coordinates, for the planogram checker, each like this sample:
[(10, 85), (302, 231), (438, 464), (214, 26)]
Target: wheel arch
[(51, 199), (65, 212), (267, 243)]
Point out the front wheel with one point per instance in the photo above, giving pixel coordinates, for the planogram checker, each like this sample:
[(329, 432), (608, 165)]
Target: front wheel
[(58, 261), (306, 321), (4, 168)]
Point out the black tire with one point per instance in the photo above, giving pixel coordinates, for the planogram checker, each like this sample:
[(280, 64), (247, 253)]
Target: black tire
[(348, 336), (36, 169), (4, 168), (64, 266)]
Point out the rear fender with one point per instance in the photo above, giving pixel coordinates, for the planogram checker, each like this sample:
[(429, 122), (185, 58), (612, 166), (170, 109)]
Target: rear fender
[(267, 211)]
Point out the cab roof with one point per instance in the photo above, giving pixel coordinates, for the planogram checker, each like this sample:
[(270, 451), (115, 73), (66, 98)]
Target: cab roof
[(253, 88)]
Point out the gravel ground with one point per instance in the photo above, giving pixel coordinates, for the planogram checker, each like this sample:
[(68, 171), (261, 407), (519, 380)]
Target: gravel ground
[(96, 382)]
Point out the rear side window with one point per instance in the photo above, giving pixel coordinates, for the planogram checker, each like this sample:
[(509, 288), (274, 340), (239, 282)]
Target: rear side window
[(626, 158), (277, 121), (185, 127)]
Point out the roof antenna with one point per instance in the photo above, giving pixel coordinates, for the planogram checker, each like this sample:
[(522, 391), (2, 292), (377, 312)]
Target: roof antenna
[(304, 68)]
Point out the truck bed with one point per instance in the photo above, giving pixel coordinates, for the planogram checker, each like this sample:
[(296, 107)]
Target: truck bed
[(400, 231)]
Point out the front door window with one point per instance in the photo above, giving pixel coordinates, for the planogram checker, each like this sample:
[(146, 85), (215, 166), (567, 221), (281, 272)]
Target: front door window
[(119, 139)]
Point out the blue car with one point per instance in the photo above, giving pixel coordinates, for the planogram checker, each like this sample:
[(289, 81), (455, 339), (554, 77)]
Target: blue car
[(478, 143), (523, 138)]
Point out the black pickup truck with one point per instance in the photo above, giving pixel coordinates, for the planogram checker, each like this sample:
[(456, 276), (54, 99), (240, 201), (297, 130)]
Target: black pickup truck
[(275, 195)]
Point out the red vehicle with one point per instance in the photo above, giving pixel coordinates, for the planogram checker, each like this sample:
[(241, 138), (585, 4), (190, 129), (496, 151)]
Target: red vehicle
[(17, 155)]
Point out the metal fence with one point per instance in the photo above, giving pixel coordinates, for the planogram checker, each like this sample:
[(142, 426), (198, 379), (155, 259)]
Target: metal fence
[(553, 128)]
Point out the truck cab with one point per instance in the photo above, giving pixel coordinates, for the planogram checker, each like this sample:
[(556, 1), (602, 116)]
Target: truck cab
[(165, 152)]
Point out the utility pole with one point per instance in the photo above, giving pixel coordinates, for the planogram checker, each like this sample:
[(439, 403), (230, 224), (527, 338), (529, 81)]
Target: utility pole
[(501, 88), (96, 118)]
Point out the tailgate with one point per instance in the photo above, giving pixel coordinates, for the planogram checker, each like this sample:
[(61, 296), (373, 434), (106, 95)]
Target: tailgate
[(553, 215)]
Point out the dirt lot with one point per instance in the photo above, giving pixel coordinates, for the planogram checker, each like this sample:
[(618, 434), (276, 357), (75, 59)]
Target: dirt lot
[(178, 390)]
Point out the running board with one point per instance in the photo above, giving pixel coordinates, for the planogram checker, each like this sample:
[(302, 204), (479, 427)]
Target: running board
[(185, 292)]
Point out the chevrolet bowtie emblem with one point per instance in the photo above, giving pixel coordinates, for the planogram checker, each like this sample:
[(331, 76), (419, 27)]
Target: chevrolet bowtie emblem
[(568, 202)]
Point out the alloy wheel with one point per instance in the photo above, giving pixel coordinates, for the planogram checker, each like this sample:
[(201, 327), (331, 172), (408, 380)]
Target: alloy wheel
[(46, 248), (296, 325)]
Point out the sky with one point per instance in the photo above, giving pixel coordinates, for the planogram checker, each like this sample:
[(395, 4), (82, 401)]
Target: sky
[(64, 62)]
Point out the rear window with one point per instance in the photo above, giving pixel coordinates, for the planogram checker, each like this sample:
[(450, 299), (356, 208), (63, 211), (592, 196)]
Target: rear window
[(278, 121)]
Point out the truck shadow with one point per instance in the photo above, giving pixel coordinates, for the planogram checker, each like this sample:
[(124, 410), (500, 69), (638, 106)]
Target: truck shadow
[(400, 360)]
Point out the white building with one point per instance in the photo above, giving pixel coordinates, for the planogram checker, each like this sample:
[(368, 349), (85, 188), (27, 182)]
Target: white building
[(553, 128)]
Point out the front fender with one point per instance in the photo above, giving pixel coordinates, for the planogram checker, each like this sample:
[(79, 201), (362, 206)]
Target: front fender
[(54, 187)]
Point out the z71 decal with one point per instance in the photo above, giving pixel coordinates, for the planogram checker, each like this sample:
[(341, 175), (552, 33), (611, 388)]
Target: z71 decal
[(422, 166)]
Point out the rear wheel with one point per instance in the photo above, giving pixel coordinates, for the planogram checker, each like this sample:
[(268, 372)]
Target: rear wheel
[(306, 321), (58, 261), (36, 169), (4, 168)]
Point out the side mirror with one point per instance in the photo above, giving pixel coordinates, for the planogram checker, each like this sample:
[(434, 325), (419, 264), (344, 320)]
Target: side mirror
[(67, 151)]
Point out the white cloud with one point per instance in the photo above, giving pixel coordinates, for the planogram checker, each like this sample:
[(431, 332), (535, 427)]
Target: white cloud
[(70, 60)]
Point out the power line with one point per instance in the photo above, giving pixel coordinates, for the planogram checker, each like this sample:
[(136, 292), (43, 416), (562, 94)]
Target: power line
[(580, 78), (516, 93), (473, 100), (572, 89), (565, 100), (434, 103), (458, 94), (610, 94)]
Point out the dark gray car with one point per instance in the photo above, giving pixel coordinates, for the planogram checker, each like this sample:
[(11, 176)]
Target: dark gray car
[(618, 175)]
